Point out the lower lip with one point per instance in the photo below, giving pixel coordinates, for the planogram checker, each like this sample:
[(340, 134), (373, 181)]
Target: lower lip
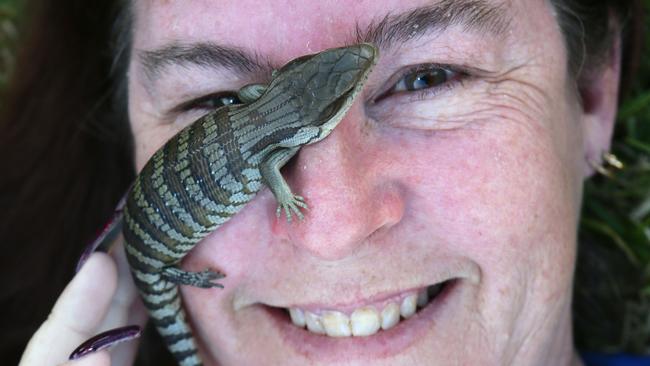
[(384, 344)]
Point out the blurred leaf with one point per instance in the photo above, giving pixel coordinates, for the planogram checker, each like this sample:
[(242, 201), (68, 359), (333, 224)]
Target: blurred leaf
[(643, 146), (607, 230), (634, 106)]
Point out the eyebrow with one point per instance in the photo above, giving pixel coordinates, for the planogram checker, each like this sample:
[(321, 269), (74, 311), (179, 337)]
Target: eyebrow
[(472, 15), (392, 30), (203, 54)]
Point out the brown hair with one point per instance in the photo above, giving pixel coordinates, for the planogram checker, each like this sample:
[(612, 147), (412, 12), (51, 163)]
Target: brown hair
[(65, 157), (65, 146), (589, 26)]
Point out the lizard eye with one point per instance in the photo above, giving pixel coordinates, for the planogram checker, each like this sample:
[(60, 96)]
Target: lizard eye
[(212, 101)]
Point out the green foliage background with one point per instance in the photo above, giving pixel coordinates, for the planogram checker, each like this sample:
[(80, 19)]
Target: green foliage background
[(612, 292)]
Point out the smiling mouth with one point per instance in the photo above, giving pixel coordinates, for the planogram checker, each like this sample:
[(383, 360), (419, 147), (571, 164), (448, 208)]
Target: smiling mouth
[(366, 320)]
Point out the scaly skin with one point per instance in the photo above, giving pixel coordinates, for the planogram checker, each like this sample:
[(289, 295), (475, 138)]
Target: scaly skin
[(206, 173)]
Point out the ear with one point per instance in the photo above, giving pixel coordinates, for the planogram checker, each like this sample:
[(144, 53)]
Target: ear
[(598, 91)]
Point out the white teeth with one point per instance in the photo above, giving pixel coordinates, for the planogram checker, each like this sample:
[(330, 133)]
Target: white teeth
[(336, 324), (365, 321), (313, 323), (407, 309), (297, 316), (389, 316)]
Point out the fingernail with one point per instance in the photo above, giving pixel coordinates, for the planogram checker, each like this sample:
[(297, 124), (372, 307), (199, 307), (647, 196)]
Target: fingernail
[(105, 340), (107, 234)]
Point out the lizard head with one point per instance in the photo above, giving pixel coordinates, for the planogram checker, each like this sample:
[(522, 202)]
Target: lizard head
[(325, 85)]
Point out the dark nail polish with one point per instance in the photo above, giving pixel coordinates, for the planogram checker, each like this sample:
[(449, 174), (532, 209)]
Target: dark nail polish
[(106, 235), (105, 340)]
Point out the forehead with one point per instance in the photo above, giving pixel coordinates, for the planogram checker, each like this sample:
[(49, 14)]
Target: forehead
[(294, 27), (246, 23)]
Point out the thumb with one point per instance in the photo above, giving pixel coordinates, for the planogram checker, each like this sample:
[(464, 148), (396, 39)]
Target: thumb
[(78, 312)]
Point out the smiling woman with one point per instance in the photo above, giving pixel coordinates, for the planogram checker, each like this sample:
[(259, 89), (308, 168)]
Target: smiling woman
[(443, 207)]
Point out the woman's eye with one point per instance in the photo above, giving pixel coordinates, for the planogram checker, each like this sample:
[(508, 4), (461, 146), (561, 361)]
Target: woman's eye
[(424, 79), (212, 101)]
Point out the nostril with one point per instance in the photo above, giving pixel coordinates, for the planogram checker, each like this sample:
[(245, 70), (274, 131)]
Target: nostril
[(390, 208)]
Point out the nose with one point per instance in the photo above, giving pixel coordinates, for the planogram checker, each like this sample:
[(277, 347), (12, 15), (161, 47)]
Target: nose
[(349, 191)]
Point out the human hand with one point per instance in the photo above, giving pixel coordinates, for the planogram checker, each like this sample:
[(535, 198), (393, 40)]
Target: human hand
[(101, 296)]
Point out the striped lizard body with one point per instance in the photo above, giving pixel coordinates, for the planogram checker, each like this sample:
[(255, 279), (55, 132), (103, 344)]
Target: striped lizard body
[(206, 173)]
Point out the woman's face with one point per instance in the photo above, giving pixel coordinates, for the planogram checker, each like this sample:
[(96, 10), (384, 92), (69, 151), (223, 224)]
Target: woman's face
[(472, 180)]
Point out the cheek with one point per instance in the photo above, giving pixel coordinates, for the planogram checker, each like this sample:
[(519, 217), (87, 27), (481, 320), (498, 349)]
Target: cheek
[(500, 192), (148, 136)]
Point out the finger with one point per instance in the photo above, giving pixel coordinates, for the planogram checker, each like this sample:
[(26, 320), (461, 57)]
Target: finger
[(101, 358), (126, 308), (79, 310)]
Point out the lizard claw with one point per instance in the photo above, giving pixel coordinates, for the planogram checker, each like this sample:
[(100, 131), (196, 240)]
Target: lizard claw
[(206, 279), (293, 205)]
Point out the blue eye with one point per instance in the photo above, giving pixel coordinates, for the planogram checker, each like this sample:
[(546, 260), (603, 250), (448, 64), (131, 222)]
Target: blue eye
[(424, 79)]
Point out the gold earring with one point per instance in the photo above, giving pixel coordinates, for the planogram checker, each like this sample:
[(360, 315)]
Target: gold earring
[(609, 160)]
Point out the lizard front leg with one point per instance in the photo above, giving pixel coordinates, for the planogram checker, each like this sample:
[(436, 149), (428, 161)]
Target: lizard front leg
[(270, 170)]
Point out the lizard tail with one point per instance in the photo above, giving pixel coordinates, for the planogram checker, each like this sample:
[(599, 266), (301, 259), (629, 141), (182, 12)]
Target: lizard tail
[(162, 299)]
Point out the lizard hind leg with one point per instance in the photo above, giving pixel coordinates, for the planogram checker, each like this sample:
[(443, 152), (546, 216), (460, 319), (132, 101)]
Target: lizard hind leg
[(204, 279)]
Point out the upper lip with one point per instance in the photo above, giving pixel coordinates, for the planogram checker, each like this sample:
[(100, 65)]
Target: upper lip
[(341, 296)]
